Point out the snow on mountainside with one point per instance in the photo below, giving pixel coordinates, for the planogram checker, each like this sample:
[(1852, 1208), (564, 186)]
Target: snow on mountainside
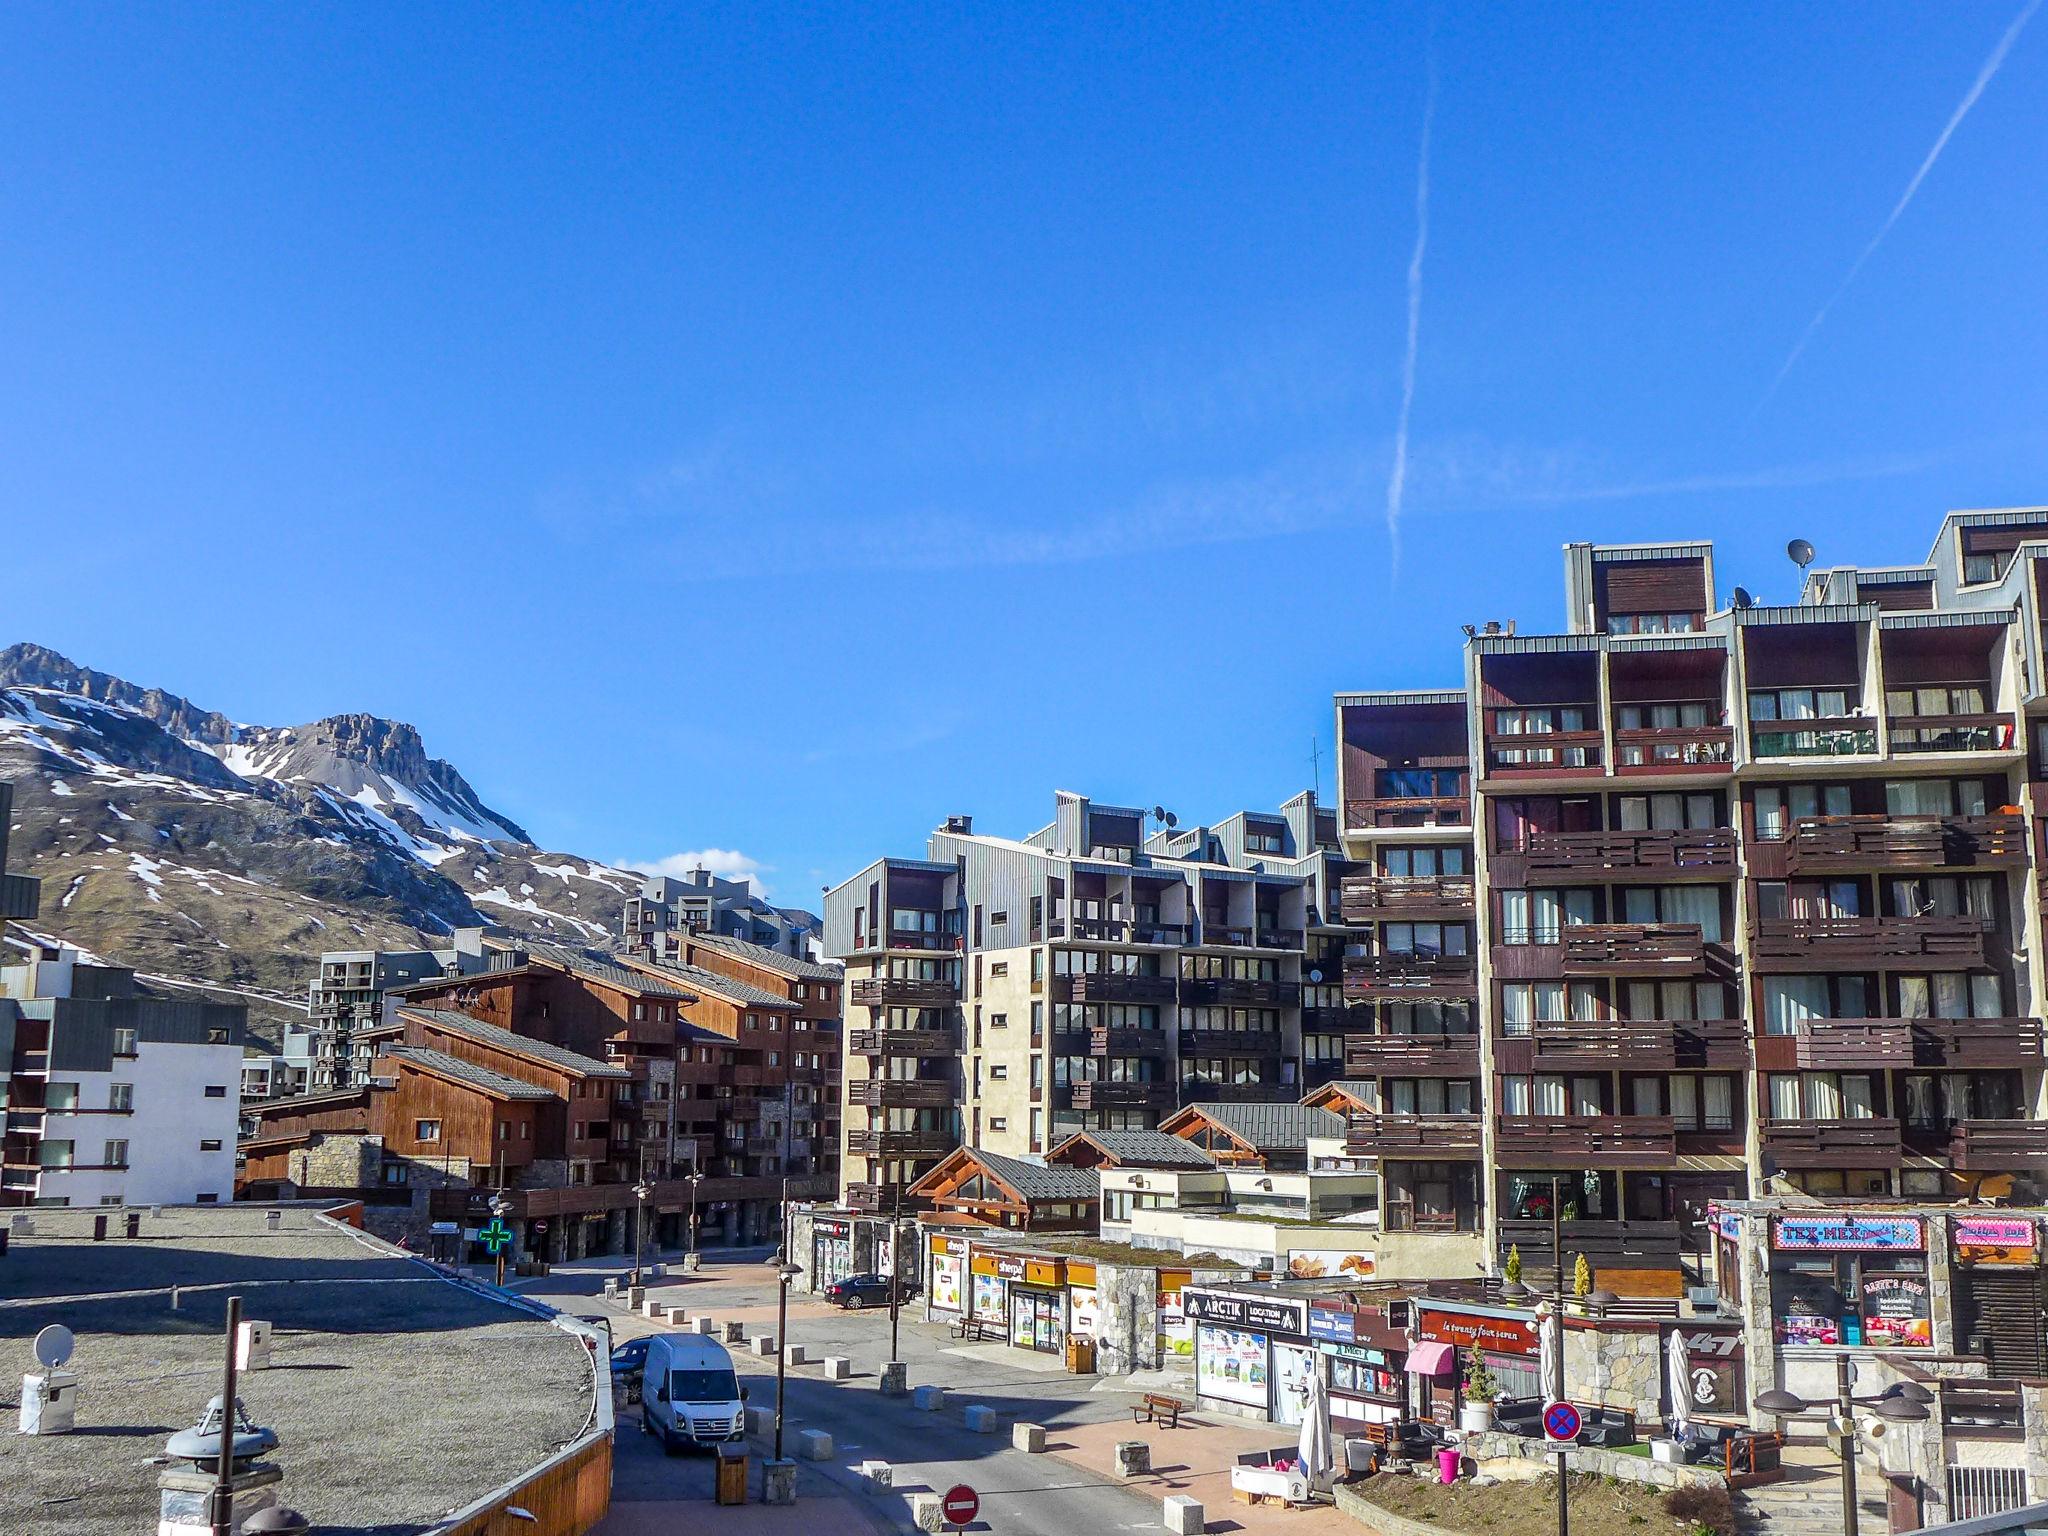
[(187, 845)]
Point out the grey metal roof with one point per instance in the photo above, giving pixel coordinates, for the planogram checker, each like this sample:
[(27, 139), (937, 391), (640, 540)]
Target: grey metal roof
[(1041, 1181), (605, 971), (1399, 696), (1274, 1126), (521, 1045), (1950, 618), (1147, 1149), (725, 986), (775, 959), (455, 1068), (1359, 1088)]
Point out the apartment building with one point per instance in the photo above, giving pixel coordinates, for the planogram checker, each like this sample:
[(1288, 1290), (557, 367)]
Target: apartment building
[(1703, 899), (703, 904), (347, 995), (1093, 975)]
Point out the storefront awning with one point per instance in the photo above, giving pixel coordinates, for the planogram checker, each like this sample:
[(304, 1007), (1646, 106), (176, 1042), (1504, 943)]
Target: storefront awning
[(1430, 1359)]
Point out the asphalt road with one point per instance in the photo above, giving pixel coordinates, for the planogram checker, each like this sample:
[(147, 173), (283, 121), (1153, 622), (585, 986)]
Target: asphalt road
[(1020, 1495)]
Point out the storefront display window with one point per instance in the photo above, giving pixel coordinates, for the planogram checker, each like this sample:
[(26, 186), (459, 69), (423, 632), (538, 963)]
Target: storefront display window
[(1877, 1300), (946, 1282), (1231, 1364), (1037, 1320), (988, 1296)]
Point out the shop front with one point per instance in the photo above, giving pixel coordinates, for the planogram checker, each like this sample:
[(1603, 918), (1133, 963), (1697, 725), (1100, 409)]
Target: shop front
[(1450, 1338), (831, 1251), (1251, 1352), (1366, 1380), (1714, 1385), (2000, 1303), (945, 1281), (1172, 1334), (1038, 1305), (1851, 1281)]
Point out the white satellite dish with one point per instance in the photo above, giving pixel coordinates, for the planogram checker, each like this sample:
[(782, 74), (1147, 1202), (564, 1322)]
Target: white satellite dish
[(53, 1346)]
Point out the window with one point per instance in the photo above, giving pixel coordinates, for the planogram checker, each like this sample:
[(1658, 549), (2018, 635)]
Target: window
[(426, 1130), (216, 1090), (998, 919), (116, 1155), (999, 1021), (397, 1173), (53, 1154), (124, 1042), (999, 968), (998, 1123), (112, 1200), (206, 1199)]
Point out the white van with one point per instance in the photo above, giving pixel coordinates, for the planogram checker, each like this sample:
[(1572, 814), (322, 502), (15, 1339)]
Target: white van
[(689, 1392)]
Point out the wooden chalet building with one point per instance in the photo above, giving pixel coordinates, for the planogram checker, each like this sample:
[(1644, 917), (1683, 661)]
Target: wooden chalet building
[(971, 1187), (1268, 1136)]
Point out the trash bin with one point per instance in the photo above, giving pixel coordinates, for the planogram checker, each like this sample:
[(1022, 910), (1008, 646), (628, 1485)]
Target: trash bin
[(1446, 1465), (1080, 1355), (732, 1474)]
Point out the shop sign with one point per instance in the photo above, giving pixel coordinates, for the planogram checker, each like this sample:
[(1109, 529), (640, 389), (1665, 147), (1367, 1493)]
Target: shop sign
[(1467, 1330), (1895, 1312), (1041, 1272), (949, 1245), (1082, 1310), (1358, 1352), (1079, 1273), (1719, 1346), (1009, 1267), (1728, 1224), (831, 1227), (1857, 1234), (1330, 1263), (1337, 1325), (1269, 1316), (1231, 1363), (983, 1264), (1995, 1239), (946, 1282)]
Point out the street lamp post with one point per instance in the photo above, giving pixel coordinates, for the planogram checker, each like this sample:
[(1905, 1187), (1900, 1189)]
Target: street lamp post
[(499, 1206), (895, 1269), (640, 1193), (1903, 1402), (784, 1273), (690, 1238)]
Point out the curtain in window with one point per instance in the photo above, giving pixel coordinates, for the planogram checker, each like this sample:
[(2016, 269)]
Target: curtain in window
[(1859, 1098), (1550, 1096), (1919, 797), (1784, 1090), (1685, 1107), (1916, 998), (1515, 1097), (1514, 917), (1791, 1001), (1699, 904), (1645, 1096), (1823, 1096), (1717, 1103), (1586, 1096), (1955, 1096), (1985, 1002), (1635, 813)]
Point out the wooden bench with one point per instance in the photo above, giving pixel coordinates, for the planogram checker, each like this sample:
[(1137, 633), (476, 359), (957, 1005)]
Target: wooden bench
[(977, 1331), (1157, 1408)]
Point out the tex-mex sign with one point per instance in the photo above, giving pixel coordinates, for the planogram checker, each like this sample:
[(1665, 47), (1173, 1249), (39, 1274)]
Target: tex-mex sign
[(1261, 1313), (1852, 1234)]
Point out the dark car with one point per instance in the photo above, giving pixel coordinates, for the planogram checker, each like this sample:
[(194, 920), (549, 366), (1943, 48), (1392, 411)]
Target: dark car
[(628, 1361), (857, 1291)]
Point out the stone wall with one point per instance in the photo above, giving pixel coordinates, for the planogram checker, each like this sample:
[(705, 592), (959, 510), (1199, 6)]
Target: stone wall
[(1512, 1456), (1614, 1369), (338, 1160)]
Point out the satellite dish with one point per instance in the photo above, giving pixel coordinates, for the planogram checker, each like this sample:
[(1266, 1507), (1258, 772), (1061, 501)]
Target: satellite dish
[(1801, 553), (53, 1346), (1742, 599), (1172, 820), (1159, 813)]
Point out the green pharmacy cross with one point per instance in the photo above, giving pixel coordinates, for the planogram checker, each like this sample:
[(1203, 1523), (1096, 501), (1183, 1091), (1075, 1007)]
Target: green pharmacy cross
[(497, 1236)]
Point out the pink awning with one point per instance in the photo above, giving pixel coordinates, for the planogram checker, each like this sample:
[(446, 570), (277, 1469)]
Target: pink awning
[(1430, 1360)]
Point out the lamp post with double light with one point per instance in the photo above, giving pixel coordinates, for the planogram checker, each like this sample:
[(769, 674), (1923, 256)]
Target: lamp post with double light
[(784, 1273), (1903, 1402), (641, 1192)]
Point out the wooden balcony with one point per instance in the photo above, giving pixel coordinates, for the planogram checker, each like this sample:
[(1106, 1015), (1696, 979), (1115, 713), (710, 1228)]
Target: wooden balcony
[(881, 1199), (1392, 977), (1821, 845), (1102, 1095), (901, 1093), (900, 1143), (1829, 736), (1195, 1090), (1282, 938), (1347, 1018), (1545, 754), (1113, 987), (1585, 1141), (1413, 1136), (1861, 1143), (1235, 993), (1230, 1042), (1826, 1045), (903, 991), (1987, 1044), (1999, 1146), (1377, 898), (1674, 750), (1391, 812), (1637, 1045), (1633, 949), (1951, 733), (1117, 1040), (1603, 857), (1393, 1055), (1790, 944), (1224, 936), (903, 1042), (1606, 1244)]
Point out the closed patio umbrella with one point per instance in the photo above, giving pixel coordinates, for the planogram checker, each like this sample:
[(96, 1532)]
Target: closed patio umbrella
[(1314, 1446), (1680, 1370), (1548, 1361)]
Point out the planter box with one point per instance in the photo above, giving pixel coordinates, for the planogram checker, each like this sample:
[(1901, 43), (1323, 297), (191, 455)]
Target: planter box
[(1256, 1475)]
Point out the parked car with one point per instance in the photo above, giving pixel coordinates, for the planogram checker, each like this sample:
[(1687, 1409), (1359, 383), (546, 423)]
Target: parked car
[(689, 1392), (629, 1360), (857, 1291)]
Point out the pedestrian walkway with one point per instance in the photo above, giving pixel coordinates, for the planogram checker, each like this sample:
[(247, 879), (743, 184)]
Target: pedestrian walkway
[(1809, 1501)]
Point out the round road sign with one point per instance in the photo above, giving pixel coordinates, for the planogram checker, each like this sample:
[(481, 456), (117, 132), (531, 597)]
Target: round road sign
[(1560, 1421), (960, 1505), (540, 1227)]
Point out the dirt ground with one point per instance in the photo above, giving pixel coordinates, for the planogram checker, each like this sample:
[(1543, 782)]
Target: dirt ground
[(1598, 1508)]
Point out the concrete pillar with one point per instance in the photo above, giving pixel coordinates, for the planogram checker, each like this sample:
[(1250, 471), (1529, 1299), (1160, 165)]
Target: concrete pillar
[(778, 1481), (615, 1238), (1184, 1515), (1029, 1438), (558, 1240), (1133, 1458)]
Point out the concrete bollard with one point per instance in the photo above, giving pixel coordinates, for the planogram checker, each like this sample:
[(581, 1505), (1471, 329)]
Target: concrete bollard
[(760, 1420), (928, 1511), (778, 1481), (981, 1419), (837, 1367), (877, 1476), (678, 1317), (797, 1356), (735, 1333), (814, 1444), (653, 1310), (895, 1379), (928, 1399), (702, 1325), (1184, 1515), (635, 1295), (764, 1343), (1029, 1438), (692, 1262), (1133, 1458)]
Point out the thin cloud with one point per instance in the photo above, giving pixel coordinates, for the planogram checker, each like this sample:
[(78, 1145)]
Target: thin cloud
[(1397, 476), (1991, 67), (726, 863)]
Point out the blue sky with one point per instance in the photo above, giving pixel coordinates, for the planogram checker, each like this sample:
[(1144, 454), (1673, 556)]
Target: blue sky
[(772, 429)]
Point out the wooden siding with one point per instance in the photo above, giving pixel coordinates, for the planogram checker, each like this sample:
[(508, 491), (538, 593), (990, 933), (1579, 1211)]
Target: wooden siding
[(566, 1496)]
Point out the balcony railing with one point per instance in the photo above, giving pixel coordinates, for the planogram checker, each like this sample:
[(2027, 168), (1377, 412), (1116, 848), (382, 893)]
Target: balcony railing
[(1118, 1040), (1390, 812), (1413, 1136), (903, 991), (1235, 992), (1401, 974), (1320, 1019), (1196, 1090), (1994, 1146), (1985, 1044), (1102, 1095), (1854, 1143), (1606, 1244), (1674, 749), (1230, 1042), (1225, 935), (1633, 949), (899, 1143), (1113, 987), (1538, 754), (903, 1042), (1394, 1055), (1586, 1141), (1784, 944), (901, 1093), (1824, 1045), (1951, 733), (1175, 934), (1282, 938), (1828, 736), (1650, 855), (1637, 1045), (1819, 845), (1374, 898), (880, 1199)]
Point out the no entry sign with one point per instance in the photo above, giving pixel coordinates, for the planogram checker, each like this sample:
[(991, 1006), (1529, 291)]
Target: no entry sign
[(1561, 1421), (960, 1505)]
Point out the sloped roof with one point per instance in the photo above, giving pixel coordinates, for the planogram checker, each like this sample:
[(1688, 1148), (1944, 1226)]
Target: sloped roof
[(1355, 1088), (457, 1070), (607, 973), (516, 1044), (1040, 1181), (770, 959), (1271, 1127), (743, 992), (1144, 1149)]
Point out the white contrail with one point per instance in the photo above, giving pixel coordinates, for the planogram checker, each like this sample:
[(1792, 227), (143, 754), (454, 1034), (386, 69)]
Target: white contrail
[(1991, 67), (1397, 477)]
